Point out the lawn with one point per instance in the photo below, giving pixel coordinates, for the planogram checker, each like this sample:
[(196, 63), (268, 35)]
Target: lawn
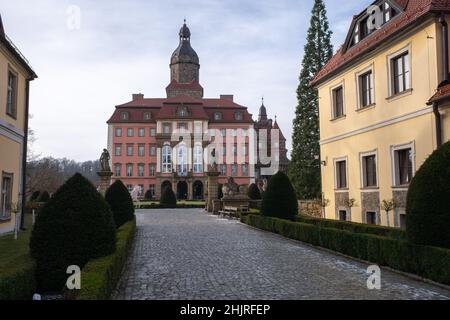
[(15, 252)]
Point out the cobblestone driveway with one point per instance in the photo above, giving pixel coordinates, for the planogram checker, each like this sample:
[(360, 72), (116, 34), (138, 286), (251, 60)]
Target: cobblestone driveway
[(186, 254)]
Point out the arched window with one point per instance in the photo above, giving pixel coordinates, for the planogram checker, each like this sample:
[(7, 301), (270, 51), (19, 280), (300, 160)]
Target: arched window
[(124, 115), (198, 159), (147, 116), (217, 116), (182, 160), (238, 116), (167, 159)]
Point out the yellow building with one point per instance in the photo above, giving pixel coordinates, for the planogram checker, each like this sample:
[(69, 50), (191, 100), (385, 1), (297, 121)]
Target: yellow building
[(384, 108), (15, 76)]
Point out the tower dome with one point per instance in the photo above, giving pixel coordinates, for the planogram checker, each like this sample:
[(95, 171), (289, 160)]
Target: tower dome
[(184, 53), (262, 112)]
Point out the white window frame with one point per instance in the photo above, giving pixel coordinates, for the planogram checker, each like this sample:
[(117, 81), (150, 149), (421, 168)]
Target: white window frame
[(358, 87), (335, 161), (394, 173), (362, 155), (390, 58), (198, 159), (118, 132), (166, 160), (332, 89)]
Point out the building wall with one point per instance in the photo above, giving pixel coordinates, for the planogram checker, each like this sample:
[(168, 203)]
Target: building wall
[(11, 131), (392, 121)]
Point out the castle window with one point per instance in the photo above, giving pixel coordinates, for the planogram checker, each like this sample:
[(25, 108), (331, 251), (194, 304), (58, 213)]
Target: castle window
[(238, 116), (366, 90), (198, 159), (117, 169), (400, 73), (141, 150), (129, 170), (340, 168), (167, 159), (118, 132), (183, 112), (167, 128), (152, 170), (130, 132), (140, 170), (141, 132), (152, 132), (217, 116), (124, 116), (147, 116)]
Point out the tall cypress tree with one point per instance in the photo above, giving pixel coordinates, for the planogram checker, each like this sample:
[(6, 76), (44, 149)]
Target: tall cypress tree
[(304, 169)]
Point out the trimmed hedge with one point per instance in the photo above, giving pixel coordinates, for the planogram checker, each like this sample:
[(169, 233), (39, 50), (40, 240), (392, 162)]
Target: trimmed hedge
[(177, 206), (168, 198), (18, 282), (121, 203), (354, 227), (253, 192), (428, 201), (279, 200), (425, 261), (99, 277)]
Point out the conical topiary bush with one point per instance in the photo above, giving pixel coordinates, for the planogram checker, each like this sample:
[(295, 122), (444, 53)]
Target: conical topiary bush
[(121, 203), (279, 200), (253, 192), (168, 198), (75, 226), (428, 201)]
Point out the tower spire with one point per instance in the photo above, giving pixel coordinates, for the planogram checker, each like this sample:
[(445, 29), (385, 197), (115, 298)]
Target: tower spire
[(262, 111)]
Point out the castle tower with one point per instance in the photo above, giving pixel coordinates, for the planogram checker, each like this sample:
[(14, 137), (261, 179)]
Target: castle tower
[(184, 68)]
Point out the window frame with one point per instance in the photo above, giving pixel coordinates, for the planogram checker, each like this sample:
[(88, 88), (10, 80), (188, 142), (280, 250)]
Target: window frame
[(336, 179), (11, 108), (333, 90), (360, 89), (5, 206), (118, 132), (363, 167), (166, 158), (390, 66), (395, 170)]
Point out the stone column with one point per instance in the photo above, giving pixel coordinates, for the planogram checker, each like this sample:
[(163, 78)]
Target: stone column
[(105, 181), (213, 192)]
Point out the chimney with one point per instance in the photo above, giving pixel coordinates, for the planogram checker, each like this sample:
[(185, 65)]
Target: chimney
[(138, 96), (228, 97)]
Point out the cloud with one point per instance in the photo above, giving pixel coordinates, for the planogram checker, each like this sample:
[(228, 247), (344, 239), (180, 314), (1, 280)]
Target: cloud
[(246, 48)]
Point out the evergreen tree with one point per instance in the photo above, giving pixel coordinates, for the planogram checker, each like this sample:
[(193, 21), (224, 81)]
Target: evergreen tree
[(121, 203), (304, 169)]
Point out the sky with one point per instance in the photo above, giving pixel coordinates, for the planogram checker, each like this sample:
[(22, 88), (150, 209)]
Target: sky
[(89, 65)]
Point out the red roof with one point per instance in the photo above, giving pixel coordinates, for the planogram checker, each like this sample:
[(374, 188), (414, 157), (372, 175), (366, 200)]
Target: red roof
[(441, 94), (413, 11), (202, 109)]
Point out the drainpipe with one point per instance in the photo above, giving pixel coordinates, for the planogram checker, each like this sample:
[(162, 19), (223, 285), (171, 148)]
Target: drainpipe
[(437, 119), (24, 154), (444, 35)]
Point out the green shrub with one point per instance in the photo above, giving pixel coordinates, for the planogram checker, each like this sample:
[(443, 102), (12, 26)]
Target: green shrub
[(17, 282), (75, 226), (148, 195), (425, 261), (34, 196), (168, 198), (253, 192), (100, 276), (280, 199), (121, 203), (428, 202), (220, 191), (43, 197), (394, 233)]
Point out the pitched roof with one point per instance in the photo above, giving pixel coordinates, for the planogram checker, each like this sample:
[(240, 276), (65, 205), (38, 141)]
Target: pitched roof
[(413, 12), (167, 109), (442, 93)]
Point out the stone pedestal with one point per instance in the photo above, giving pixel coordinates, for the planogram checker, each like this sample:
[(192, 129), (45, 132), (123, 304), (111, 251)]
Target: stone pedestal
[(105, 181), (213, 189)]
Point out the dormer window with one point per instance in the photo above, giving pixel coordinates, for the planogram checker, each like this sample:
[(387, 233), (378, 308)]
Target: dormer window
[(147, 116), (372, 20), (217, 116), (124, 116), (183, 112), (238, 116)]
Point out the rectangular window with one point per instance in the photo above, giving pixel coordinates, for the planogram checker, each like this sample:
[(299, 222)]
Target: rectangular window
[(342, 215), (140, 170), (369, 170), (235, 150), (6, 196), (118, 132), (234, 132), (198, 128), (223, 132), (182, 127), (371, 217), (130, 132), (244, 150), (244, 169), (152, 151), (152, 132), (338, 102), (141, 150), (341, 174), (118, 150), (117, 170), (151, 189), (129, 170), (234, 169), (167, 128), (403, 166), (129, 150), (212, 132), (400, 73), (130, 187), (152, 170), (366, 91), (403, 221), (223, 169), (224, 150), (141, 132), (244, 132), (11, 95)]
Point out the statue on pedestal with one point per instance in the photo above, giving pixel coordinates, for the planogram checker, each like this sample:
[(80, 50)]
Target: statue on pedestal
[(104, 161), (105, 173)]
